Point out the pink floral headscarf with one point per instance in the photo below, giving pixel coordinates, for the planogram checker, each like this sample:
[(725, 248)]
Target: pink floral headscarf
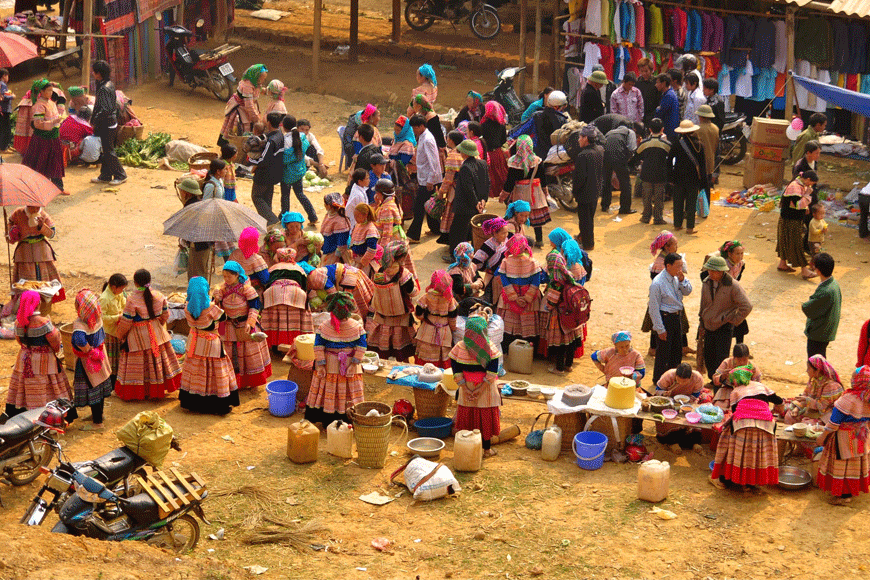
[(249, 242), (493, 110)]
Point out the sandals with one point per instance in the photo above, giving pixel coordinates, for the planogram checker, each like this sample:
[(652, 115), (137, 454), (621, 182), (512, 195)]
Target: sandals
[(786, 269), (94, 428)]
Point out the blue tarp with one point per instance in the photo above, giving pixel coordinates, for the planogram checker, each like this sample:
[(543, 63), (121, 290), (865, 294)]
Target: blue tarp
[(834, 95)]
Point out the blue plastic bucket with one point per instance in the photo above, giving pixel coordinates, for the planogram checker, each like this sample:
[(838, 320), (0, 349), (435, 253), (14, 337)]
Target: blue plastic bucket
[(282, 397), (589, 447), (438, 427)]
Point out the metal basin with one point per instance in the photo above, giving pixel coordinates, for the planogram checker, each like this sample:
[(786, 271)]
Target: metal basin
[(792, 478), (426, 446)]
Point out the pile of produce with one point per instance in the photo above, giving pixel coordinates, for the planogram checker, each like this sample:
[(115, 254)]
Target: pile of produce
[(761, 197), (144, 153), (311, 182)]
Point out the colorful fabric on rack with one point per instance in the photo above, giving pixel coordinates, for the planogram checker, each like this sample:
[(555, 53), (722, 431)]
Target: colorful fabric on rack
[(120, 15), (148, 8), (640, 24), (616, 28), (680, 26), (695, 32), (593, 17), (656, 35)]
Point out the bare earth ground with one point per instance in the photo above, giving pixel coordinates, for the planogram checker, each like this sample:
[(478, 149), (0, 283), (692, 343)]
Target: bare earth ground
[(536, 517)]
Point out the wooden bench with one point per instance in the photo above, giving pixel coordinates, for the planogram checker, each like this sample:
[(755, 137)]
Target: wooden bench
[(64, 58)]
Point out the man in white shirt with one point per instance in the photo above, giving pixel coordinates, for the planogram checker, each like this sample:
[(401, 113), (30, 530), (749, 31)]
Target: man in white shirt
[(695, 97), (429, 176), (665, 307)]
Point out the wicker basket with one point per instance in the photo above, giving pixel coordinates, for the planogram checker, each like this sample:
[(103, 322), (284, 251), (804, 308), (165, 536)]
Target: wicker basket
[(477, 235), (69, 359), (201, 160), (373, 443), (432, 403), (302, 378), (357, 414), (183, 196), (127, 132), (571, 424)]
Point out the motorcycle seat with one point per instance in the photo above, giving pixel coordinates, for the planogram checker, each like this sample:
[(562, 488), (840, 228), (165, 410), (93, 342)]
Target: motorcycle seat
[(141, 508), (118, 463), (20, 426), (731, 117)]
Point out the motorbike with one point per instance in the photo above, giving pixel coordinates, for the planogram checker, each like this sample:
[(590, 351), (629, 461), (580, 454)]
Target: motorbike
[(561, 187), (482, 17), (732, 141), (505, 94), (208, 69), (25, 443)]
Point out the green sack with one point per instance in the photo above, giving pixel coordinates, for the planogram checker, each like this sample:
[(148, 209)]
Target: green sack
[(148, 436)]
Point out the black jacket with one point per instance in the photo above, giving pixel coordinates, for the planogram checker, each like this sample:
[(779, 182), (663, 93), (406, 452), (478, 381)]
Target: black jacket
[(105, 112), (688, 170), (591, 106), (547, 121), (472, 186), (588, 174), (270, 165), (610, 121), (651, 98), (494, 133)]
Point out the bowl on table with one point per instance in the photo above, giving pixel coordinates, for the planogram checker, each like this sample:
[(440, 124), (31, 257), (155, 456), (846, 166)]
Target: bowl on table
[(533, 391), (669, 413), (693, 417), (548, 392), (686, 409), (658, 404), (520, 388), (799, 429), (683, 399)]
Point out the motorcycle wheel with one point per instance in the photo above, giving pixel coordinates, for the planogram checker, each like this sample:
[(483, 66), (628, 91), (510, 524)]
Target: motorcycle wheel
[(219, 86), (732, 154), (180, 536), (485, 23), (417, 14), (25, 472), (565, 194)]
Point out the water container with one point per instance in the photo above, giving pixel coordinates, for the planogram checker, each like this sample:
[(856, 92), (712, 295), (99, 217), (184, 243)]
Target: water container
[(653, 478), (520, 357), (339, 439), (552, 443), (282, 397), (468, 451), (303, 439), (304, 344)]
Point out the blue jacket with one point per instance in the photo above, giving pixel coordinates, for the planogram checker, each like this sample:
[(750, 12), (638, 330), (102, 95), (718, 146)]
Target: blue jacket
[(669, 112)]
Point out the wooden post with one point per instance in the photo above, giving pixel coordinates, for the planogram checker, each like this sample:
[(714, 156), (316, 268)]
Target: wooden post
[(789, 60), (397, 21), (64, 23), (315, 47), (556, 30), (353, 55), (88, 28), (537, 62), (524, 12)]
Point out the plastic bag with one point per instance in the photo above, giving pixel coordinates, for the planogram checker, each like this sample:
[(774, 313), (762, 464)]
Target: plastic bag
[(440, 483), (148, 436), (703, 205), (182, 259), (182, 151)]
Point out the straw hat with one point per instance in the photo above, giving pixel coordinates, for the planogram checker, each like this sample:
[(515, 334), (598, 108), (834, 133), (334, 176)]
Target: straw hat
[(468, 147), (598, 77), (706, 111), (686, 126)]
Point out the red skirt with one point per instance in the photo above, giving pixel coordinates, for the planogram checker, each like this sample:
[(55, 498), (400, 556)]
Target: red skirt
[(747, 457), (498, 170), (255, 380), (486, 419), (44, 155), (441, 364), (128, 392)]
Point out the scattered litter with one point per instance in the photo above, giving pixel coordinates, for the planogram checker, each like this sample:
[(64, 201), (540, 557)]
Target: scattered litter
[(382, 544), (537, 570), (418, 540), (341, 50), (210, 550), (112, 189), (318, 547), (359, 569), (256, 570), (663, 514), (509, 558), (375, 498), (617, 219), (566, 543), (158, 187), (269, 14), (710, 516), (228, 438), (788, 363), (218, 535), (252, 467), (291, 501)]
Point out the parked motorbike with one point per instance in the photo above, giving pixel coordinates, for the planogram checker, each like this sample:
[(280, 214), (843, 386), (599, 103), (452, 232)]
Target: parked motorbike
[(562, 190), (505, 94), (732, 141), (209, 69), (482, 17)]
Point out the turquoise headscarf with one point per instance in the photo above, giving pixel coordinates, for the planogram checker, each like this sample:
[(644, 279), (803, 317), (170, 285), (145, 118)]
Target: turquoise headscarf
[(290, 217), (197, 296), (427, 72), (253, 73), (567, 245), (519, 206), (234, 266), (407, 132)]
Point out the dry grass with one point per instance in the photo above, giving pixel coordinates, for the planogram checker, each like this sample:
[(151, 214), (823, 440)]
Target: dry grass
[(261, 497), (280, 531)]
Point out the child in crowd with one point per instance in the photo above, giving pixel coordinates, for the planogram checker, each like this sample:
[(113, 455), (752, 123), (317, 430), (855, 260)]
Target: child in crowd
[(466, 281), (357, 194), (517, 216), (389, 216), (335, 229), (112, 302), (93, 375), (214, 185), (817, 229), (256, 142), (436, 310), (488, 258), (364, 239), (276, 90), (273, 242), (228, 155)]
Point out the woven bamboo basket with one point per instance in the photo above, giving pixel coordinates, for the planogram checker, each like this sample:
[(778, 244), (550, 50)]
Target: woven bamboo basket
[(201, 160), (127, 132), (477, 235), (302, 378), (357, 414), (571, 424), (432, 403), (373, 443), (69, 359)]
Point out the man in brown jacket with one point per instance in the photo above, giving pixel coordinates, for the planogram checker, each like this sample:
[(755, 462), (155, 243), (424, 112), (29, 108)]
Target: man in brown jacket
[(708, 135), (724, 305)]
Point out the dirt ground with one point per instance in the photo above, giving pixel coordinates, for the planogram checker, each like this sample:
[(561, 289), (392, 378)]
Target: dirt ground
[(518, 517)]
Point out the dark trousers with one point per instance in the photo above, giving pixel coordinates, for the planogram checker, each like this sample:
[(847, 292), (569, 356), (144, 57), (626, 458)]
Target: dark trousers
[(563, 355), (197, 262), (420, 200), (585, 218), (460, 230), (110, 168), (717, 347), (5, 130), (864, 204), (669, 352), (685, 202), (817, 347), (621, 170), (300, 196), (97, 413), (261, 195)]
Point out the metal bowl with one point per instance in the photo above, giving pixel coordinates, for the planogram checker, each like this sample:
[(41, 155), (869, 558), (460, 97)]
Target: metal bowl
[(426, 446), (792, 478)]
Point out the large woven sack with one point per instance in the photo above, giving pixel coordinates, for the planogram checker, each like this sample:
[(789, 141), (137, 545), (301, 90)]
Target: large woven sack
[(182, 151), (148, 436), (560, 135)]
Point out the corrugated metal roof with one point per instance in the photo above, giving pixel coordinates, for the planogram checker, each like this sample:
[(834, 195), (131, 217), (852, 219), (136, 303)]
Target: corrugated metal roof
[(851, 7)]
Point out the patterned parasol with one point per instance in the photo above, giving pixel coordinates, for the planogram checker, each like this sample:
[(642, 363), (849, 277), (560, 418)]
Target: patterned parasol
[(22, 186), (212, 220), (15, 49)]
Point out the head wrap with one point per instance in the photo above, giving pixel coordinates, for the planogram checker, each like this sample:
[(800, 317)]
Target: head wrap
[(407, 132), (76, 91), (253, 73), (88, 308), (197, 296), (285, 254), (476, 96), (729, 247), (861, 383), (558, 270), (421, 100), (567, 245), (519, 206), (368, 112), (393, 252), (427, 72), (525, 157), (276, 89), (476, 339), (379, 253), (28, 303), (249, 242), (275, 236), (441, 283), (290, 217), (620, 336), (339, 305), (233, 266), (518, 245), (491, 226), (463, 253), (463, 128), (742, 375), (333, 199), (494, 111), (318, 280), (660, 242), (37, 88), (822, 365)]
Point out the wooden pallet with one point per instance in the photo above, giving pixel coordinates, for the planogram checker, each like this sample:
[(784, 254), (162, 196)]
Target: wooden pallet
[(222, 50), (165, 489)]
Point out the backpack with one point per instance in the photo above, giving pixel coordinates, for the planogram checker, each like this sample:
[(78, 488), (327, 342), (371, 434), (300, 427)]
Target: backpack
[(528, 127), (574, 307)]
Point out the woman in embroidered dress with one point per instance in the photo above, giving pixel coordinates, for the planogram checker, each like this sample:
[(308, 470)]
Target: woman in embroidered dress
[(389, 216), (208, 384), (817, 400), (294, 237), (338, 351), (790, 229), (404, 143), (23, 128), (427, 85), (242, 305), (276, 90), (364, 239), (447, 192), (474, 361), (488, 258), (248, 256), (436, 310), (520, 300), (562, 338), (243, 110), (473, 109), (93, 374), (523, 182), (747, 455), (466, 281), (494, 136), (33, 256), (149, 367), (665, 243), (391, 327), (517, 217), (112, 303), (274, 241), (562, 242), (335, 229), (844, 466), (44, 153), (38, 376), (285, 312), (340, 277), (610, 360), (722, 377)]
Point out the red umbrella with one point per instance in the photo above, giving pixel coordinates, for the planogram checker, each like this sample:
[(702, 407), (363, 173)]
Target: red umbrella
[(15, 49)]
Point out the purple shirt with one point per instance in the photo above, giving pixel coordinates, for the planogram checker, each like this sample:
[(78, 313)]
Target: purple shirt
[(628, 103)]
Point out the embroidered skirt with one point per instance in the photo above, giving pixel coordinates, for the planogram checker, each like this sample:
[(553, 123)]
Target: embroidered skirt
[(143, 374), (390, 336), (747, 457), (86, 393), (113, 352), (37, 379), (487, 419), (843, 476), (34, 262), (335, 393), (284, 323), (44, 155)]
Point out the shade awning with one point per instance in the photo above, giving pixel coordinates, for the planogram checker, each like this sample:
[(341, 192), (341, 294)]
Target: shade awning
[(851, 7), (834, 95)]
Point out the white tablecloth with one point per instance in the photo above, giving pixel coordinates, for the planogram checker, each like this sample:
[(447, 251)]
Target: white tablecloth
[(595, 405)]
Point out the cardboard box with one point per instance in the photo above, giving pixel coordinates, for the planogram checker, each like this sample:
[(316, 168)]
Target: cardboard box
[(769, 132), (759, 171), (767, 152)]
